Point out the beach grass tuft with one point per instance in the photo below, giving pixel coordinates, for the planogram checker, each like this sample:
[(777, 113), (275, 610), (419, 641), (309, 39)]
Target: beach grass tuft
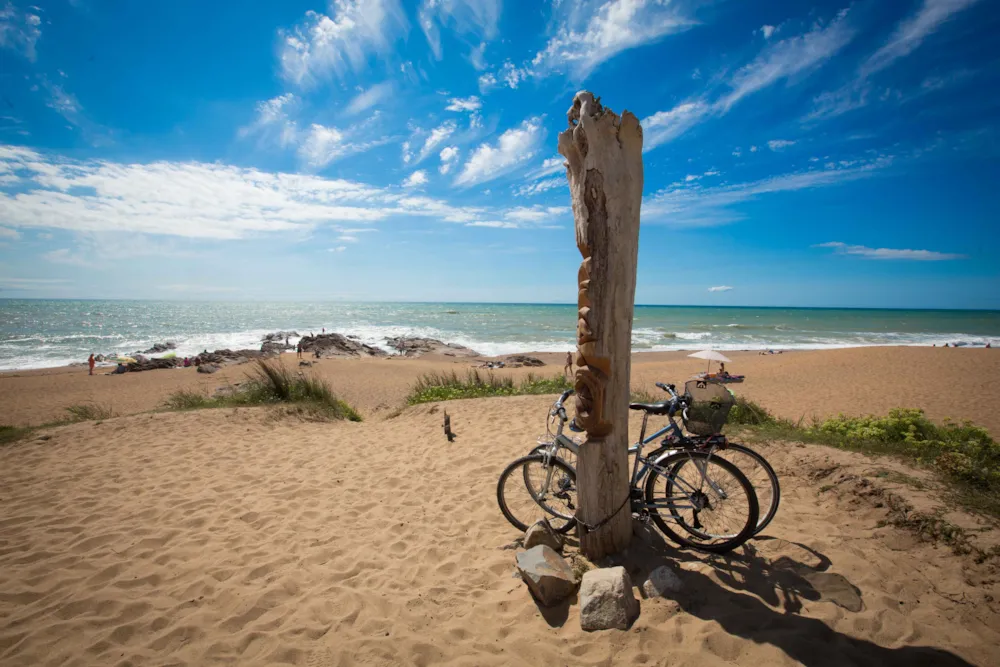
[(272, 383), (12, 434), (450, 386), (90, 412)]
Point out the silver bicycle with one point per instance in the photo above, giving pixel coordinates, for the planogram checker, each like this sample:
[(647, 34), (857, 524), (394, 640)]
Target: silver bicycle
[(699, 501), (751, 463)]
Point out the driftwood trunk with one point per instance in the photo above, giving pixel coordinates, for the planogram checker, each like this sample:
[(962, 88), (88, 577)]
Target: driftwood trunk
[(604, 165)]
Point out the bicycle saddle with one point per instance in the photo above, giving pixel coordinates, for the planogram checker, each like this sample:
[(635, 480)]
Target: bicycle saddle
[(652, 408)]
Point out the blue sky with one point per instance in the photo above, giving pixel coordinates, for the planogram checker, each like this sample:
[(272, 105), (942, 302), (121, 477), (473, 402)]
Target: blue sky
[(804, 154)]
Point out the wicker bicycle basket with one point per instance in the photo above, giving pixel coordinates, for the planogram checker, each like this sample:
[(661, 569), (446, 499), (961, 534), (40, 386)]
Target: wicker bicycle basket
[(709, 406)]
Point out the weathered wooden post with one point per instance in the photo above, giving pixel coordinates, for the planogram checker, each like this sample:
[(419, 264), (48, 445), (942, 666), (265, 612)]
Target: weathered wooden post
[(604, 165)]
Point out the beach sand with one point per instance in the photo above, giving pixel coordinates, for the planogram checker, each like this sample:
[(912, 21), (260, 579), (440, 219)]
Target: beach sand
[(235, 537), (946, 382)]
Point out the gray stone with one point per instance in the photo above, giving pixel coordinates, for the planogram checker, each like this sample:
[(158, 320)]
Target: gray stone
[(541, 532), (547, 575), (661, 583), (207, 368), (606, 600)]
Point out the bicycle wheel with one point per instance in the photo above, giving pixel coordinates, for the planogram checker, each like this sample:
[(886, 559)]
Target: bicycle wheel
[(761, 476), (563, 453), (708, 498), (532, 488)]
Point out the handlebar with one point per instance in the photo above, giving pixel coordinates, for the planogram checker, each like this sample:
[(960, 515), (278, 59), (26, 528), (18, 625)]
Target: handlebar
[(557, 407), (669, 388)]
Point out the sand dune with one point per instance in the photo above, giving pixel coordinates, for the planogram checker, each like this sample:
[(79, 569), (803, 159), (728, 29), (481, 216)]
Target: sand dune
[(230, 537)]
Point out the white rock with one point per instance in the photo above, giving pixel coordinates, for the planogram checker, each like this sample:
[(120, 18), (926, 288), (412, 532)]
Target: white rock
[(541, 532), (606, 600), (546, 574), (661, 583)]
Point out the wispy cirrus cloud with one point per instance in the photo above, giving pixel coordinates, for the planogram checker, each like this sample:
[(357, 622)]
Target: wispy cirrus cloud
[(471, 103), (324, 46), (590, 33), (912, 31), (538, 187), (691, 204), (515, 147), (20, 30), (720, 288), (369, 98), (888, 253), (476, 18), (779, 61), (906, 38)]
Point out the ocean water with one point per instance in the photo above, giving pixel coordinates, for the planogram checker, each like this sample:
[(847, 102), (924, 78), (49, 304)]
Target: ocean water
[(45, 333)]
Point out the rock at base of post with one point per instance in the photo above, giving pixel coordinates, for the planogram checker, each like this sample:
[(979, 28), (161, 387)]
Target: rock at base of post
[(547, 575), (541, 532), (607, 601), (661, 583)]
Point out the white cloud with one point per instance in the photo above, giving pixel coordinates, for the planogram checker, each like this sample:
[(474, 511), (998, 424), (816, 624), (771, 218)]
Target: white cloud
[(753, 149), (475, 17), (323, 46), (340, 248), (6, 233), (591, 33), (538, 187), (486, 82), (183, 288), (694, 205), (273, 121), (911, 33), (435, 138), (720, 288), (416, 179), (552, 165), (67, 256), (779, 144), (535, 214), (477, 57), (512, 75), (471, 103), (367, 99), (20, 31), (691, 177), (321, 145), (888, 253), (201, 200), (448, 156), (496, 224), (778, 61), (711, 172), (26, 284), (737, 152), (787, 58), (664, 126), (767, 31), (347, 238), (515, 147)]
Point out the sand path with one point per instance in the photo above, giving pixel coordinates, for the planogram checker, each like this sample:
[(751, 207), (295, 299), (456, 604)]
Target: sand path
[(230, 537)]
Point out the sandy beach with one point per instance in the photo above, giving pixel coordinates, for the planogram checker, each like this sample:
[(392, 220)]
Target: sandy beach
[(235, 537), (946, 382)]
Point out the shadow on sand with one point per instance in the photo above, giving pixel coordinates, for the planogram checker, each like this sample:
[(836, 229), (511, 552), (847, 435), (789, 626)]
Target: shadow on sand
[(765, 603)]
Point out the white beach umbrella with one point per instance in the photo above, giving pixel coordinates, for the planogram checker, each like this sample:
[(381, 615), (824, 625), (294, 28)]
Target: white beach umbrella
[(711, 355)]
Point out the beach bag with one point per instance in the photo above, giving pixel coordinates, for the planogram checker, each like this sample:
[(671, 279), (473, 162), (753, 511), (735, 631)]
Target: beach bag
[(709, 404)]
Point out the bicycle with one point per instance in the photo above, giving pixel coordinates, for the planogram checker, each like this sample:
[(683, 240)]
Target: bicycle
[(708, 498), (751, 463)]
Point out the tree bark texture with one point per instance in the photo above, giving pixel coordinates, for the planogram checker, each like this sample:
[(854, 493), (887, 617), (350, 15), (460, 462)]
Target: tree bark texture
[(604, 164)]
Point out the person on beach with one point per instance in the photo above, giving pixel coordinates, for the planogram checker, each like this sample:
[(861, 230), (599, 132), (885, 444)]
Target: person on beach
[(298, 350), (90, 363), (568, 370)]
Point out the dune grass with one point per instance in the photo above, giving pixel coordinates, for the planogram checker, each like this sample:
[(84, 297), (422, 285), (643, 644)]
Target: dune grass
[(450, 386), (90, 412), (962, 453), (272, 384)]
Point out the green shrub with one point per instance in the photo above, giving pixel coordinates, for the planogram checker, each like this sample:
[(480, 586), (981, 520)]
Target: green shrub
[(963, 451), (188, 400), (449, 386), (749, 413)]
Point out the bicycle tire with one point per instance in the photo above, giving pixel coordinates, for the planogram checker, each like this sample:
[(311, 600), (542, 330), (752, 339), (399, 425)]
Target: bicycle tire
[(773, 498), (698, 539), (562, 521), (768, 499)]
